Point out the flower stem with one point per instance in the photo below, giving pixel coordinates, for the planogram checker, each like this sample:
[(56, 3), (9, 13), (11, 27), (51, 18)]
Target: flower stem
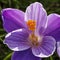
[(51, 58)]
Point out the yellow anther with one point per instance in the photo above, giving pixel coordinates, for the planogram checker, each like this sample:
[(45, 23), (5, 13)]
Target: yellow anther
[(31, 25), (34, 39)]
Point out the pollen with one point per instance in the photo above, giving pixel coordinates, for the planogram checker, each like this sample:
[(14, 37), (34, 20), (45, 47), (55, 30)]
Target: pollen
[(31, 25), (34, 39)]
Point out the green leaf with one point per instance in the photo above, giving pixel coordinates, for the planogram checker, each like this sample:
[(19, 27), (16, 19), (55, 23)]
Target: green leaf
[(7, 57)]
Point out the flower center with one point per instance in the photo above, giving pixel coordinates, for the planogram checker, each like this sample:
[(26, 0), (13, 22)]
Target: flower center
[(33, 39), (31, 25)]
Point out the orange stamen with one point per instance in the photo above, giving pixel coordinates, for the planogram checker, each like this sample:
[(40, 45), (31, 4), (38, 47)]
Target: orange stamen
[(31, 25)]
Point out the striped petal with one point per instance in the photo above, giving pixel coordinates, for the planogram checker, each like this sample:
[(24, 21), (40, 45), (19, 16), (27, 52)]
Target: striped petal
[(35, 11), (12, 19), (53, 26), (17, 40), (45, 48)]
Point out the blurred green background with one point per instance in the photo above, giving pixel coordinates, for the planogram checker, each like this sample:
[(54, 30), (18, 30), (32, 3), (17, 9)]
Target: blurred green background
[(51, 6)]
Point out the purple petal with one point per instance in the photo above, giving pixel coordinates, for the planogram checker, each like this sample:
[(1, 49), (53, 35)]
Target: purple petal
[(58, 48), (12, 19), (24, 55), (53, 28), (17, 40), (36, 12), (46, 47)]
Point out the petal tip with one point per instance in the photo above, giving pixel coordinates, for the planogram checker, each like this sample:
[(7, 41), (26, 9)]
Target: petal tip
[(54, 14), (3, 10)]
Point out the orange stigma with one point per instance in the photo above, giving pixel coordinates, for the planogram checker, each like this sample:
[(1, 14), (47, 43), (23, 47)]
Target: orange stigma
[(31, 25)]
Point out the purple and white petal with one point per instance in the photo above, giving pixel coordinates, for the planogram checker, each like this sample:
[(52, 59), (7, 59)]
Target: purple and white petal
[(53, 27), (36, 12), (12, 19), (17, 40), (58, 48), (24, 55), (45, 48)]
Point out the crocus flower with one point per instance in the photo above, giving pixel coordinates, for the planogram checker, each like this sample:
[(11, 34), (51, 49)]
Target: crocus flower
[(29, 32)]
